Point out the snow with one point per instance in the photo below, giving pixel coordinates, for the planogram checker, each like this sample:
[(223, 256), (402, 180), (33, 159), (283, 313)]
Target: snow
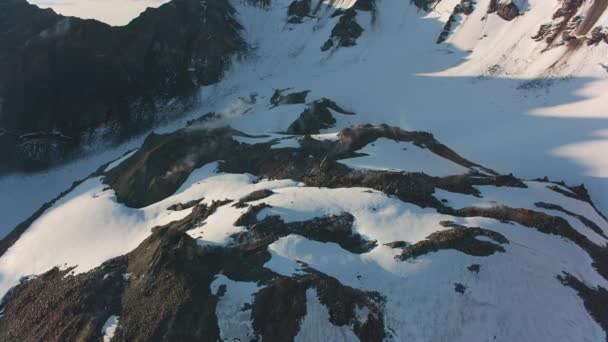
[(316, 326), (119, 161), (218, 228), (109, 328), (526, 198), (385, 154), (88, 226), (233, 317), (399, 76), (416, 289), (83, 229), (376, 215), (22, 194)]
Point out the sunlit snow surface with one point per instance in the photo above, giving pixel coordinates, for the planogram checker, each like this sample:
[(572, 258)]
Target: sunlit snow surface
[(113, 12), (384, 154), (399, 76)]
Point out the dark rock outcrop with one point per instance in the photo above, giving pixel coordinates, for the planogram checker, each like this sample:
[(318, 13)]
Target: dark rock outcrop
[(257, 195), (346, 31), (598, 35), (280, 307), (166, 161), (316, 117), (474, 268), (587, 222), (280, 98), (460, 288), (595, 299), (396, 244), (62, 79), (184, 206), (298, 10), (565, 22), (507, 10), (337, 229), (460, 238), (465, 7)]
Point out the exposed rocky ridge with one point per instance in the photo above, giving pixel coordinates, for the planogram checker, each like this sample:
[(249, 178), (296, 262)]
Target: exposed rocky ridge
[(165, 161), (544, 223), (80, 75), (320, 168), (162, 289), (460, 238)]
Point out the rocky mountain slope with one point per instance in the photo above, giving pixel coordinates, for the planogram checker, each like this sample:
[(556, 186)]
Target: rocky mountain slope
[(67, 83), (303, 199)]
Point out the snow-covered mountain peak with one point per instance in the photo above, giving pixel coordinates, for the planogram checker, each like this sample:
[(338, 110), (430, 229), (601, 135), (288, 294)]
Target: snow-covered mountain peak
[(349, 170)]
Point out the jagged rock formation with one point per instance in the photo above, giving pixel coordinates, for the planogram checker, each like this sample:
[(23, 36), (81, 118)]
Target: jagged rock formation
[(506, 9)]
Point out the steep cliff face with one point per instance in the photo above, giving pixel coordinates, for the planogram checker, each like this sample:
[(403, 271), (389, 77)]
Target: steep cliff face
[(65, 81)]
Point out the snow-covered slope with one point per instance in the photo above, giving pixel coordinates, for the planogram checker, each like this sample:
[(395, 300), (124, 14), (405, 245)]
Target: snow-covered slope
[(324, 212)]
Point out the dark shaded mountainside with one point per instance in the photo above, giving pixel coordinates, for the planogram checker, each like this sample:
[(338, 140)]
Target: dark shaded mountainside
[(65, 82), (68, 83)]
